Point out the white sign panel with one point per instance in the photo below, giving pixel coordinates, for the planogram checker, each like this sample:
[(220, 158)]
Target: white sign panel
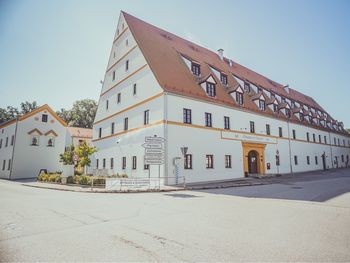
[(154, 139), (154, 150), (131, 183), (248, 137)]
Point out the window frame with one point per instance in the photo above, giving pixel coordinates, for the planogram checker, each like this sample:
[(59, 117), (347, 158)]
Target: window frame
[(208, 119), (134, 162), (227, 123), (209, 161), (126, 123), (268, 129), (44, 118), (195, 68), (146, 117), (211, 89), (188, 162), (252, 126), (228, 161), (187, 116)]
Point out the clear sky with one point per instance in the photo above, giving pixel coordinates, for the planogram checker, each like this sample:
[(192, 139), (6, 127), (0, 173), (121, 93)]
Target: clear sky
[(56, 52)]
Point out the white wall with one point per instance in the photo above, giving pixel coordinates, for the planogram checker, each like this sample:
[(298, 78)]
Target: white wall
[(6, 151)]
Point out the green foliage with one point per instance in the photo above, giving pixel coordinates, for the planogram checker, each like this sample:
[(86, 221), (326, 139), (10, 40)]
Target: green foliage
[(51, 177), (348, 130), (67, 156), (84, 151), (81, 115), (11, 112)]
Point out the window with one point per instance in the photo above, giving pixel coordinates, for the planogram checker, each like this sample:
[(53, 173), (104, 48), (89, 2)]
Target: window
[(196, 69), (275, 108), (0, 143), (294, 134), (12, 140), (134, 90), (319, 138), (211, 89), (342, 158), (127, 65), (262, 105), (112, 163), (134, 162), (292, 104), (126, 124), (126, 42), (228, 161), (268, 132), (146, 117), (208, 120), (113, 75), (280, 132), (335, 141), (314, 137), (107, 104), (239, 98), (288, 113), (7, 141), (295, 160), (252, 127), (119, 97), (9, 165), (307, 136), (112, 128), (44, 118), (338, 141), (104, 163), (124, 163), (99, 132), (316, 160), (308, 160), (3, 165), (226, 123), (223, 78), (343, 142), (209, 160), (325, 139), (301, 116), (188, 161), (97, 162), (187, 116), (51, 142), (35, 141), (246, 86)]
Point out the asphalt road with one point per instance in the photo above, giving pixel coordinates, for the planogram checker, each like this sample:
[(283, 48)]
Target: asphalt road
[(256, 223)]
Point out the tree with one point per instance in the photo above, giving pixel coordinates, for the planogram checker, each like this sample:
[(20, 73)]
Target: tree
[(28, 106), (81, 115), (11, 112), (67, 158), (348, 130)]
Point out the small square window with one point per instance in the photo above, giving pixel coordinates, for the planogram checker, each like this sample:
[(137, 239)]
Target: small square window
[(44, 118)]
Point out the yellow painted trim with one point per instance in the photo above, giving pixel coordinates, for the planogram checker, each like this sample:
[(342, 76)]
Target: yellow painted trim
[(103, 93), (52, 132), (260, 149), (115, 63), (130, 130), (131, 107), (35, 130), (121, 33)]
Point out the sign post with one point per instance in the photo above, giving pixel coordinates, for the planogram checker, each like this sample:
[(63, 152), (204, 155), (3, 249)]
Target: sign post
[(184, 152)]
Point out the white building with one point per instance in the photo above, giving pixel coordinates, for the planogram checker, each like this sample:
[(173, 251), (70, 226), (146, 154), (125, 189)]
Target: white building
[(30, 143), (234, 121), (77, 136)]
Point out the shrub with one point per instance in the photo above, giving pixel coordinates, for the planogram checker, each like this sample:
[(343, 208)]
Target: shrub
[(50, 177)]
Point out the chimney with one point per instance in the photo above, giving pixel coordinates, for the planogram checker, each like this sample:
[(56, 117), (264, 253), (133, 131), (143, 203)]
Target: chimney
[(286, 88), (221, 53)]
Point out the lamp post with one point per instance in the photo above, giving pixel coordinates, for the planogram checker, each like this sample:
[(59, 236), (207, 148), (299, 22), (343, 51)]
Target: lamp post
[(277, 160), (184, 152)]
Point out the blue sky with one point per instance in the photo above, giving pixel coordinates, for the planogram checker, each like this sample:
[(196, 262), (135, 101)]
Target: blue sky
[(56, 52)]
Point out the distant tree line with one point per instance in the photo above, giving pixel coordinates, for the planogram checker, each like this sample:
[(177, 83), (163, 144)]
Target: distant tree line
[(82, 114)]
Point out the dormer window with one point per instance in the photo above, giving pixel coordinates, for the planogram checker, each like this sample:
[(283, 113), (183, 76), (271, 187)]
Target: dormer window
[(283, 99), (275, 108), (259, 90), (262, 105), (239, 98), (287, 112), (196, 69), (301, 116), (223, 78), (246, 87), (292, 104), (211, 91)]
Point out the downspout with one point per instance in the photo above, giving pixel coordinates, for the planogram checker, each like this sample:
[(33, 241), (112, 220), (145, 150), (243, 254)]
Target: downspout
[(330, 146), (166, 135), (13, 149), (290, 150)]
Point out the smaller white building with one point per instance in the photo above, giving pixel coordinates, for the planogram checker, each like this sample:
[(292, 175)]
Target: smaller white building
[(77, 136), (32, 142)]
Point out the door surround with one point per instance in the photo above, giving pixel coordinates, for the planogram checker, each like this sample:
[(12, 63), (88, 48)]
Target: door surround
[(260, 149)]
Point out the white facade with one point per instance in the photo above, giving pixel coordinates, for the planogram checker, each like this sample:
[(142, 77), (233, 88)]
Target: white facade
[(38, 139), (166, 119)]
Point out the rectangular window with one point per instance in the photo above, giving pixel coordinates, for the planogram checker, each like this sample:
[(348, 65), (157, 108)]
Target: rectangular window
[(134, 162), (247, 87), (187, 116), (196, 69), (319, 138), (288, 113), (3, 165), (7, 141), (208, 120), (280, 132), (112, 163), (307, 136), (262, 105), (325, 139), (97, 163), (9, 164), (209, 161), (134, 90), (124, 163), (126, 124), (335, 141), (252, 127), (127, 65), (112, 128), (314, 137), (239, 98), (119, 98), (99, 132), (295, 160), (342, 158), (188, 161), (107, 104), (146, 117), (0, 143), (316, 160), (44, 118), (113, 75), (211, 91), (226, 123), (338, 141), (275, 107), (223, 79), (12, 140), (104, 163), (308, 160), (268, 132), (294, 134), (228, 161)]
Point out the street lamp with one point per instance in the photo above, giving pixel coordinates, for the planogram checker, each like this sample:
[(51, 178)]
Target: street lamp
[(277, 161)]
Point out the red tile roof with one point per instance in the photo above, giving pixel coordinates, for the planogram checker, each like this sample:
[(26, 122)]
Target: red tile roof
[(80, 132)]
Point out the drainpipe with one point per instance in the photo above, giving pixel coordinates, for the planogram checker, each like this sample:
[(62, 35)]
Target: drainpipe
[(13, 149), (330, 146), (290, 150)]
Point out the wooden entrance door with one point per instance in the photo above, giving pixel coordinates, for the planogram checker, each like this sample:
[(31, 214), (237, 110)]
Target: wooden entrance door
[(253, 162)]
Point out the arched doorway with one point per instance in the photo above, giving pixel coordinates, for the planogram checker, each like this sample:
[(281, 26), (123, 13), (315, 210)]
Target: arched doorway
[(253, 162)]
